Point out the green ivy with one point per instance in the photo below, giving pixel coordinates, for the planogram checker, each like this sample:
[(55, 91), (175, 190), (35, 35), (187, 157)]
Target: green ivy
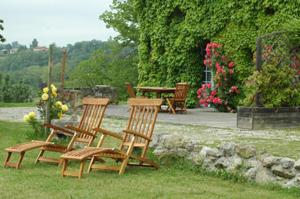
[(279, 87), (173, 35)]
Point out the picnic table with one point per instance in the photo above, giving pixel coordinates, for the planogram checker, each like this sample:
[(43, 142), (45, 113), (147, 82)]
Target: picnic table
[(157, 90)]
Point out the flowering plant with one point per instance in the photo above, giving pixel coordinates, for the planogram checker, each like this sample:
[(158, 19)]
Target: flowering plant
[(223, 95), (207, 95), (57, 109)]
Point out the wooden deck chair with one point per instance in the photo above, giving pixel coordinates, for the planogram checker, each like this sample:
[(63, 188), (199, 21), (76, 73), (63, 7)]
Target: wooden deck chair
[(179, 99), (130, 90), (138, 134), (93, 112)]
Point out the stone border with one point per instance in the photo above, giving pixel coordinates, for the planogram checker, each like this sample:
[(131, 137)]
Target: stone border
[(231, 157)]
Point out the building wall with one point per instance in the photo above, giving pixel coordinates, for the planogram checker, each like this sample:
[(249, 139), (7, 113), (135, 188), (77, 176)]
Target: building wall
[(174, 34)]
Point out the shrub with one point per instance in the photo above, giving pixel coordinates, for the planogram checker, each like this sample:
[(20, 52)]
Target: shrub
[(224, 93), (57, 109), (15, 92), (278, 87)]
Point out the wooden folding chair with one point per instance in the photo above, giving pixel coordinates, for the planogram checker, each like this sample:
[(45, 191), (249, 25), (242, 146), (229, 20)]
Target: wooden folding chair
[(130, 90), (138, 134), (179, 99), (93, 112)]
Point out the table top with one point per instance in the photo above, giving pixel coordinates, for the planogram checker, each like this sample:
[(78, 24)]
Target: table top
[(155, 89)]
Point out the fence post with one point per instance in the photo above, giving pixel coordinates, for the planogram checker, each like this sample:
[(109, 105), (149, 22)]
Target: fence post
[(62, 74), (50, 66), (258, 68)]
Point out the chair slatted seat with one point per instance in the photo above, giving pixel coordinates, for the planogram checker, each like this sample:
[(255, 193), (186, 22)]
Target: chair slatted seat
[(137, 134), (93, 112)]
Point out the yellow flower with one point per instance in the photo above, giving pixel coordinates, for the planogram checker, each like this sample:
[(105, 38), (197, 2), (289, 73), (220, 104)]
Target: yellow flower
[(58, 104), (26, 118), (45, 96), (59, 115), (54, 94), (31, 115), (53, 88), (64, 108), (45, 90)]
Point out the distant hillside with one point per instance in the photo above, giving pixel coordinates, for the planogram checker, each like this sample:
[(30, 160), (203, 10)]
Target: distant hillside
[(25, 57), (30, 64)]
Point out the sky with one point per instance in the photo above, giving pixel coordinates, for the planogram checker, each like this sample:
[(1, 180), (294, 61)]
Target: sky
[(54, 21)]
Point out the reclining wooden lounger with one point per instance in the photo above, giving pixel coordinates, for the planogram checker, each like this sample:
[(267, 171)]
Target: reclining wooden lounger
[(93, 112), (138, 134)]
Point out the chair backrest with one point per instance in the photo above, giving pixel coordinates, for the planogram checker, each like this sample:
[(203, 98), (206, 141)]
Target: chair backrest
[(181, 91), (92, 115), (130, 90), (142, 118)]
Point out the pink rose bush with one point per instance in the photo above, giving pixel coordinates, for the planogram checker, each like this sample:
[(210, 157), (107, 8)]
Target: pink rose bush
[(223, 95)]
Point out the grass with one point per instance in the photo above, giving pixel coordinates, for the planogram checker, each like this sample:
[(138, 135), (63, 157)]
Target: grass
[(178, 180), (25, 104), (276, 147)]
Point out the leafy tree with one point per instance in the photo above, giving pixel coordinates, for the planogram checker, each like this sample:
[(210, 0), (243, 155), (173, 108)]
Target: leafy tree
[(34, 43), (112, 66), (5, 90), (2, 39), (123, 18), (18, 92)]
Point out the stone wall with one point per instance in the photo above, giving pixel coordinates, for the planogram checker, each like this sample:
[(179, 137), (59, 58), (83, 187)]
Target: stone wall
[(97, 91), (231, 157)]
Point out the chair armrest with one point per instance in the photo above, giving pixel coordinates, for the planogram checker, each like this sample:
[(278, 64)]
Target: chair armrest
[(79, 130), (137, 134), (110, 133), (60, 129)]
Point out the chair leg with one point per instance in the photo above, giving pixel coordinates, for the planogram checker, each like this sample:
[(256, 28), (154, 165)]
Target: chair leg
[(123, 166), (81, 168), (60, 161), (91, 164), (20, 160), (41, 153), (171, 106), (7, 158), (64, 167)]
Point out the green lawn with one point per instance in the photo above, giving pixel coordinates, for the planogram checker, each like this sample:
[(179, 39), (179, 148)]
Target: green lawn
[(177, 181), (25, 104)]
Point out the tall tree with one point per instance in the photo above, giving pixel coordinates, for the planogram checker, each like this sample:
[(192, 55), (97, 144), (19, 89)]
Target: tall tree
[(2, 39), (34, 43), (123, 18)]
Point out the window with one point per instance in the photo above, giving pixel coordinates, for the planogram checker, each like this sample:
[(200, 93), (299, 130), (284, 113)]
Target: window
[(208, 76)]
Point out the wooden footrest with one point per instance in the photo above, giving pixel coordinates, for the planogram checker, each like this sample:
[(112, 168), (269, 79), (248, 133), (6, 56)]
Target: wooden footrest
[(27, 146), (80, 154)]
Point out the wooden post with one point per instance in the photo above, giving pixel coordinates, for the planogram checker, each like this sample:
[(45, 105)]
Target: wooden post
[(50, 66), (258, 68), (62, 74)]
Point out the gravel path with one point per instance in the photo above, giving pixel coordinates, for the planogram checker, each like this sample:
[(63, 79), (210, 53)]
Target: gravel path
[(203, 117), (211, 128)]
